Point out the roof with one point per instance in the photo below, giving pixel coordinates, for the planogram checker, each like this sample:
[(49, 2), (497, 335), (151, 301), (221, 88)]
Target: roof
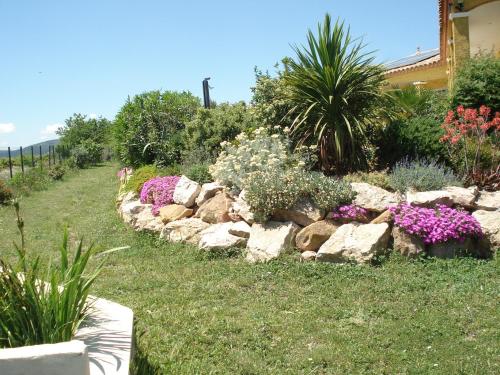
[(417, 59)]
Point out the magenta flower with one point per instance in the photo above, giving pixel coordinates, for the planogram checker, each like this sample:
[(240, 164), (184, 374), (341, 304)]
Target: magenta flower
[(349, 212), (159, 192), (436, 225)]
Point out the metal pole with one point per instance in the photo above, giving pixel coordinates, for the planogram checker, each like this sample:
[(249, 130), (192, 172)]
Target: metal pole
[(10, 162), (41, 159), (22, 159), (54, 155), (206, 93), (32, 158), (49, 158)]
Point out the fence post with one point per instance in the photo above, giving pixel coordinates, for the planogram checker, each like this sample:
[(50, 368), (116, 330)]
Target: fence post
[(41, 159), (49, 158), (32, 158), (54, 155), (22, 159), (10, 162)]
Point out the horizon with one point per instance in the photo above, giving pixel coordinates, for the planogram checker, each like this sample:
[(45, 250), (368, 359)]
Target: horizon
[(59, 64)]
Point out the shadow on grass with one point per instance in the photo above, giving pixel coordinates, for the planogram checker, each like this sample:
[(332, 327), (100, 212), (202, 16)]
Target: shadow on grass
[(140, 364)]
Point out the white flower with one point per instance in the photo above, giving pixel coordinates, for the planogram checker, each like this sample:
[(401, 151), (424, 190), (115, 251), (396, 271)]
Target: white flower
[(286, 130), (275, 136)]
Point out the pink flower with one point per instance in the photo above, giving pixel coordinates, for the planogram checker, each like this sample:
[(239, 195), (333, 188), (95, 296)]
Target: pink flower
[(159, 192)]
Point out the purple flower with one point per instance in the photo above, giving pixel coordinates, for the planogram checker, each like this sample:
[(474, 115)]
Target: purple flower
[(159, 191), (436, 225), (349, 212)]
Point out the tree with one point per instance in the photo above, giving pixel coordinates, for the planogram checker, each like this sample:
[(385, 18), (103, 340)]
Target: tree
[(79, 128), (335, 87)]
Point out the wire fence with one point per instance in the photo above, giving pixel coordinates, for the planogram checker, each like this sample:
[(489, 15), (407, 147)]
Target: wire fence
[(18, 160)]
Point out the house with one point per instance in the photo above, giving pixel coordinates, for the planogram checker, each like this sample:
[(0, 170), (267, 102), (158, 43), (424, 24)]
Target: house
[(466, 28)]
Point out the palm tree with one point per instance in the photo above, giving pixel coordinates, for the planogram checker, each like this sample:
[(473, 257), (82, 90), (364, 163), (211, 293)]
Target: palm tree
[(336, 88)]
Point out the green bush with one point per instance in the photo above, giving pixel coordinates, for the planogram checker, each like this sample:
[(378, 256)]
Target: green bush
[(377, 178), (477, 82), (421, 175), (5, 193), (210, 127), (57, 172), (85, 154), (140, 176), (148, 129), (198, 173), (32, 180)]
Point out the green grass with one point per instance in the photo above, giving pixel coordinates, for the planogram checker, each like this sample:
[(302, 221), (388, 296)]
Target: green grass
[(200, 314)]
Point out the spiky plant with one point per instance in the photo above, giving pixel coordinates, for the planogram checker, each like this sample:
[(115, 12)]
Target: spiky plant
[(336, 87)]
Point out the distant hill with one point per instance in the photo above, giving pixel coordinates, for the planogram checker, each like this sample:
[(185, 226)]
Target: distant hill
[(27, 150)]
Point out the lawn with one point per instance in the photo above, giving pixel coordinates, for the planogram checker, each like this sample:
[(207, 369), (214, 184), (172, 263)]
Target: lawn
[(216, 315)]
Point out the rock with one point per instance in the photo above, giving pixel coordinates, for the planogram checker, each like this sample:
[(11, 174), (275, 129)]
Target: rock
[(304, 213), (490, 224), (452, 249), (130, 210), (372, 197), (126, 197), (384, 217), (240, 229), (308, 256), (185, 230), (242, 209), (186, 191), (217, 237), (267, 241), (429, 198), (216, 209), (355, 242), (174, 212), (313, 236), (146, 221), (489, 201), (464, 197), (406, 244), (208, 191)]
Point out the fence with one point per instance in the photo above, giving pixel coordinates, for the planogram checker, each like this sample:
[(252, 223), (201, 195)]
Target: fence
[(18, 160)]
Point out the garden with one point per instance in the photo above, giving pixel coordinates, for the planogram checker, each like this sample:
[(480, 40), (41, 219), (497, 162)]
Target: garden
[(331, 225)]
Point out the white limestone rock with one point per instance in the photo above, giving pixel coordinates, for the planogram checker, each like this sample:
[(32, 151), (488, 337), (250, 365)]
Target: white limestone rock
[(465, 197), (267, 241), (186, 191), (130, 210), (355, 242), (429, 198), (488, 201), (308, 256), (240, 229), (242, 208), (208, 191), (146, 221), (217, 237), (372, 197), (490, 224), (304, 213), (185, 230)]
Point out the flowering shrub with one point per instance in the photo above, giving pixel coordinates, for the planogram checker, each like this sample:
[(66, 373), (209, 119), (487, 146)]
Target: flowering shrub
[(467, 131), (326, 192), (350, 212), (141, 175), (159, 191), (377, 178), (6, 193), (255, 152), (435, 225)]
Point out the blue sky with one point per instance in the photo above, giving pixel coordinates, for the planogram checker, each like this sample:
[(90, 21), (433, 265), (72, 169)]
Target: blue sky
[(62, 57)]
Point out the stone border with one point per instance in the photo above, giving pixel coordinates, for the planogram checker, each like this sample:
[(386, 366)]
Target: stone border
[(103, 346)]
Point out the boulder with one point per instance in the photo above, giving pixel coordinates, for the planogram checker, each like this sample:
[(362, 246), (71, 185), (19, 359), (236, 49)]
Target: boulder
[(465, 197), (146, 221), (217, 237), (372, 197), (216, 209), (126, 197), (490, 224), (429, 198), (240, 229), (304, 213), (488, 201), (355, 242), (208, 191), (313, 236), (384, 217), (407, 244), (242, 208), (174, 212), (308, 256), (186, 191), (267, 241), (452, 249), (185, 230), (130, 210)]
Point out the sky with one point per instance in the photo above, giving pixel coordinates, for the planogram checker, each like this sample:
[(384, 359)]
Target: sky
[(63, 57)]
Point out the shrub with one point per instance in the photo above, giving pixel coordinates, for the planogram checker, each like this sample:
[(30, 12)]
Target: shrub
[(159, 192), (32, 180), (198, 173), (57, 172), (6, 193), (436, 225), (149, 127), (421, 175), (79, 129), (377, 178), (327, 192), (210, 127), (336, 85), (477, 82), (140, 176), (31, 314), (257, 151)]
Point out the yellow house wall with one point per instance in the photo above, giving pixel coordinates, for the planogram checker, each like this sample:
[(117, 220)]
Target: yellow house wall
[(435, 78)]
